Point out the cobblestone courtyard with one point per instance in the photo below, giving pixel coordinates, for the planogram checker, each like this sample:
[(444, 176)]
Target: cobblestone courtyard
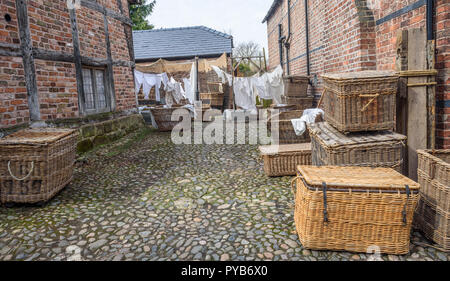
[(144, 198)]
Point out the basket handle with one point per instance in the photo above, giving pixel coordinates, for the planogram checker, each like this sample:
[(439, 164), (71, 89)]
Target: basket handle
[(294, 192), (20, 179), (370, 102), (408, 193)]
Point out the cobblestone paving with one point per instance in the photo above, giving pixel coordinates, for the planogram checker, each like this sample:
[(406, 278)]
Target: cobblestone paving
[(149, 199)]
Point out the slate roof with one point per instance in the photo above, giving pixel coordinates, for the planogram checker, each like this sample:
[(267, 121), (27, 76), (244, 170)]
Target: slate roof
[(179, 43), (272, 9)]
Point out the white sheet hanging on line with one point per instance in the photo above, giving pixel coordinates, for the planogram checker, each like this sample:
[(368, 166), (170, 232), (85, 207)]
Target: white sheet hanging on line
[(225, 77), (138, 80), (150, 80), (275, 85), (243, 93)]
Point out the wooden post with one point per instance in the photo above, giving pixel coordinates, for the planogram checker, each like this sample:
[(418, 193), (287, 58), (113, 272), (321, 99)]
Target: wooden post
[(26, 48), (420, 98)]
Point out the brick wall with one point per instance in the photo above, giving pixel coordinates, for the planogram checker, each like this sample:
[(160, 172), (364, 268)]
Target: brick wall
[(51, 33), (57, 87), (13, 94), (353, 35)]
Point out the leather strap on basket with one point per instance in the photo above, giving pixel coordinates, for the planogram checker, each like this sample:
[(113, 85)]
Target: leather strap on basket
[(370, 102), (408, 193), (325, 207)]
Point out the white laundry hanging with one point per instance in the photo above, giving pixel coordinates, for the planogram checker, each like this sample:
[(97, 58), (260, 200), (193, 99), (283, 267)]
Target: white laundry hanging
[(243, 93), (138, 80), (275, 85)]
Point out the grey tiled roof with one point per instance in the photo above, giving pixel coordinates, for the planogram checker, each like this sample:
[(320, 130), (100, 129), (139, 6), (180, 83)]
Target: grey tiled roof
[(184, 42), (272, 10)]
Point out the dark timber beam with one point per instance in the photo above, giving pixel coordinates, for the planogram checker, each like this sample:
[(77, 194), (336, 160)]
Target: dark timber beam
[(26, 48), (109, 69), (77, 60)]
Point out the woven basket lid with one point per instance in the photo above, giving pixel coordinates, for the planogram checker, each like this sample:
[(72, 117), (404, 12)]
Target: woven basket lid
[(36, 136), (356, 177), (284, 148), (368, 74), (331, 137)]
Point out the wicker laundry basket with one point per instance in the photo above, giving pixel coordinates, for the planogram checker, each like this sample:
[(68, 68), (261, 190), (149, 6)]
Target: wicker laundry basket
[(374, 149), (354, 209), (286, 132), (35, 164), (164, 116), (360, 101), (433, 214), (296, 86), (282, 160)]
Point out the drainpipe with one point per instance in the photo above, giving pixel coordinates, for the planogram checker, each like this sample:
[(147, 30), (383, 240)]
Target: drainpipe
[(308, 68), (430, 15), (280, 42), (287, 42)]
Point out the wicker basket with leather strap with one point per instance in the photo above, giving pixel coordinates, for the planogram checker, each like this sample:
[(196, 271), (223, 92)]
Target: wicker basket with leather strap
[(356, 209), (360, 101)]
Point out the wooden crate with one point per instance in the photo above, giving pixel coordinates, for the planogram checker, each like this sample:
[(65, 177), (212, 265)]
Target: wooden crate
[(375, 149), (35, 164), (354, 208), (282, 160), (360, 101)]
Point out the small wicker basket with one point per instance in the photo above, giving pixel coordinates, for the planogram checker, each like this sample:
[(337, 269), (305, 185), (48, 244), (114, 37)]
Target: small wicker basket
[(360, 101), (354, 209), (163, 117), (296, 86), (282, 160), (286, 132), (35, 164)]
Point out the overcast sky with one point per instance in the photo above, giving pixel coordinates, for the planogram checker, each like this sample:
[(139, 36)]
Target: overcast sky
[(241, 18)]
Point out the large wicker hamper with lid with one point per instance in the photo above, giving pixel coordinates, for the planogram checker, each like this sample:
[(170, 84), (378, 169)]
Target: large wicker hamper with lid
[(35, 164), (376, 149), (360, 101), (433, 214), (354, 209), (282, 160)]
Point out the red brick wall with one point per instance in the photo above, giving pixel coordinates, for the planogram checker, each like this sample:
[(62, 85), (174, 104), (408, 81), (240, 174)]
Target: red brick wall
[(117, 37), (91, 33), (9, 32), (50, 30), (13, 93), (344, 36), (124, 87), (443, 67), (50, 25), (57, 87)]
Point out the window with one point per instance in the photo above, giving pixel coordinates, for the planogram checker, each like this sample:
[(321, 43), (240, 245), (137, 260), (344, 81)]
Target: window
[(95, 91)]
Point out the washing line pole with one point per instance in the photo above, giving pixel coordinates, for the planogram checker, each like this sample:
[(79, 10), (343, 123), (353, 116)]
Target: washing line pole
[(197, 92)]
